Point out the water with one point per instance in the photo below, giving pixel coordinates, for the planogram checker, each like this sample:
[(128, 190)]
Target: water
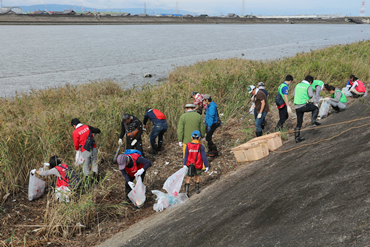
[(34, 57)]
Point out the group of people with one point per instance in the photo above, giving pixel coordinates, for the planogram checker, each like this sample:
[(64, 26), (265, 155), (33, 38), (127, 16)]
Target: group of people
[(306, 99)]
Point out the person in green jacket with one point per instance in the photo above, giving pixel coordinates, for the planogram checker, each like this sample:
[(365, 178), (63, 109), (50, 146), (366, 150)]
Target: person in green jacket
[(317, 86), (188, 122), (338, 100)]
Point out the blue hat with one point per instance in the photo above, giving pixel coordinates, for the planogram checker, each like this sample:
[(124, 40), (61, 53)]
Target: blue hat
[(195, 133)]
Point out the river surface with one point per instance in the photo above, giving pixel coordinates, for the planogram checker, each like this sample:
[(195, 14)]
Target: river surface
[(35, 57)]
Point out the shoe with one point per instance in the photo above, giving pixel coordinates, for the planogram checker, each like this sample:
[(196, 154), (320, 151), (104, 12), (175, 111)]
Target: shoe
[(160, 145), (297, 134), (154, 149), (187, 189), (314, 117), (336, 109), (213, 153), (263, 126), (197, 188), (259, 133)]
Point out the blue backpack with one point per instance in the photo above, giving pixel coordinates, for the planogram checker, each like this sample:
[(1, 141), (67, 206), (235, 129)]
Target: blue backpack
[(73, 177), (132, 151)]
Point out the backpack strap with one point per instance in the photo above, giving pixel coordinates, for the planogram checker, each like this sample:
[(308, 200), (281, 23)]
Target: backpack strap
[(61, 174)]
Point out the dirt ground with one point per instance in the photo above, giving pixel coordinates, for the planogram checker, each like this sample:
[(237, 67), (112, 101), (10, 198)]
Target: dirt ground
[(23, 219)]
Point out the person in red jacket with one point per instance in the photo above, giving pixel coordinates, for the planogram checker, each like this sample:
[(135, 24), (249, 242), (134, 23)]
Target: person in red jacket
[(83, 139), (195, 156), (356, 87)]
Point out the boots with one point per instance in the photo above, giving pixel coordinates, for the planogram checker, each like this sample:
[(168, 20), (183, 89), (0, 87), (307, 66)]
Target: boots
[(160, 145), (297, 134), (197, 188), (336, 109), (314, 116), (212, 150), (187, 189), (154, 149), (259, 133)]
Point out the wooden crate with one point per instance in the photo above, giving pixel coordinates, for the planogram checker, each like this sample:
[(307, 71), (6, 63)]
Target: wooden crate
[(273, 140), (251, 151)]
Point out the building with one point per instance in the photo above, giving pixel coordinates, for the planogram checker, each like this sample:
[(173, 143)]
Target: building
[(10, 10)]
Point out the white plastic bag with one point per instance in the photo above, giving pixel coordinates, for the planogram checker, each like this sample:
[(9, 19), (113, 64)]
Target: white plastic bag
[(346, 92), (324, 109), (166, 201), (137, 194), (36, 187), (174, 182), (79, 158)]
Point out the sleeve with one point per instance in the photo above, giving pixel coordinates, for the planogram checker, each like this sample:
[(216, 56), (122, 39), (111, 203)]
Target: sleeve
[(204, 156), (76, 141), (293, 92), (146, 117), (337, 97), (202, 127), (310, 92), (123, 130), (180, 129), (317, 97), (211, 114), (138, 124), (348, 83), (186, 156), (355, 84), (53, 171), (94, 130), (285, 90), (144, 161), (125, 175)]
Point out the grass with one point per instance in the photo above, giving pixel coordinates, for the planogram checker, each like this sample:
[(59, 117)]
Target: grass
[(35, 126)]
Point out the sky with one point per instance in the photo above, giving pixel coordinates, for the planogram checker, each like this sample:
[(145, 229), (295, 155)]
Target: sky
[(215, 7)]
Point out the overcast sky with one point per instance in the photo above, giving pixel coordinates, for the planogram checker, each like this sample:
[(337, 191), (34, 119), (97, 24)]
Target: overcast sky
[(257, 7)]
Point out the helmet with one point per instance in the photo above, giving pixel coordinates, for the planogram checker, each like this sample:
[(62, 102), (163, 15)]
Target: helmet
[(251, 88), (125, 116)]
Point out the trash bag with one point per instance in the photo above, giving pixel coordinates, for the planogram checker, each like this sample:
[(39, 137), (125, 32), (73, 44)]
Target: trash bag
[(324, 109), (174, 182), (346, 92), (137, 194), (166, 201), (36, 187), (79, 158)]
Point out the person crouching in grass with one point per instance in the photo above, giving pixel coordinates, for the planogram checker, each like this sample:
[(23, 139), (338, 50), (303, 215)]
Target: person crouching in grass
[(195, 156)]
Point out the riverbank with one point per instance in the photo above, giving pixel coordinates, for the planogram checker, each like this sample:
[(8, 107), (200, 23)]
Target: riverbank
[(30, 19)]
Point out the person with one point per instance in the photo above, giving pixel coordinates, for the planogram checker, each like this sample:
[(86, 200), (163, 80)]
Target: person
[(198, 102), (188, 122), (195, 157), (212, 123), (338, 100), (83, 138), (160, 127), (133, 128), (261, 86), (284, 109), (131, 166), (303, 96), (317, 86), (355, 86), (62, 190), (261, 109)]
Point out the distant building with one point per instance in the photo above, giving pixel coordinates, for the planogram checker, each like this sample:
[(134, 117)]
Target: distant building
[(232, 15), (65, 12), (10, 10)]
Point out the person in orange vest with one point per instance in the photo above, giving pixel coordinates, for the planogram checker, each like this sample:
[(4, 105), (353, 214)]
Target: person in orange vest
[(160, 127), (195, 156), (356, 87)]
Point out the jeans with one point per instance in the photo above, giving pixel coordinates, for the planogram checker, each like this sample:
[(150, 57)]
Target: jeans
[(158, 130), (259, 121), (88, 156)]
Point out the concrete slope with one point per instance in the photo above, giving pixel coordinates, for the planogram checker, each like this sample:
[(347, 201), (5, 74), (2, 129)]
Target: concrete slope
[(316, 195)]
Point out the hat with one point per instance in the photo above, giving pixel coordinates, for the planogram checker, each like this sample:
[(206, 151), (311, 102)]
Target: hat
[(206, 96), (192, 94), (195, 133), (190, 106), (261, 84), (250, 88), (121, 160)]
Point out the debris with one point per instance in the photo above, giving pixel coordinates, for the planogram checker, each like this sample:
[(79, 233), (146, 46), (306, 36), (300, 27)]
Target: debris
[(147, 75), (166, 163)]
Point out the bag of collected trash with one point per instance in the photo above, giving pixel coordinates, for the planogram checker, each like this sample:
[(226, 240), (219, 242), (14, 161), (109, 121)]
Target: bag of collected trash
[(79, 158), (36, 187), (324, 109), (166, 201), (137, 194), (346, 92), (174, 182)]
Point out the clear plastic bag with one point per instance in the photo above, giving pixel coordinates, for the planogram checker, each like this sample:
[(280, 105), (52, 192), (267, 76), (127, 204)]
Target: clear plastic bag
[(174, 182), (137, 194), (346, 92), (79, 158), (36, 187), (324, 109), (166, 201)]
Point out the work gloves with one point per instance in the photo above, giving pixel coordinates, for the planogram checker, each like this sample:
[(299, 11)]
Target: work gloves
[(206, 170), (139, 172), (259, 115), (180, 144), (289, 110), (133, 142), (120, 141), (33, 171), (131, 184)]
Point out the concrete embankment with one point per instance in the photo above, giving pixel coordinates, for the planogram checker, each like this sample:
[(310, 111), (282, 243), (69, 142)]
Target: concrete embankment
[(30, 19)]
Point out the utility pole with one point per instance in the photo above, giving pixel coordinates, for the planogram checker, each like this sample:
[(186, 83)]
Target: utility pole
[(145, 8), (45, 8), (243, 8), (1, 3), (177, 8), (362, 12)]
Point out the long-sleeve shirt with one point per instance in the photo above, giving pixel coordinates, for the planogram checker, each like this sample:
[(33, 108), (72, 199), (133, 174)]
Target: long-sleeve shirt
[(151, 115), (198, 101), (211, 116), (317, 96), (338, 95), (139, 160), (52, 171), (309, 92), (80, 135), (135, 123), (189, 122), (202, 152)]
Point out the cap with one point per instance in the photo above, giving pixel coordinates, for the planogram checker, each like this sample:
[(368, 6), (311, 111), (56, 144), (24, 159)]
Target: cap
[(121, 160), (261, 84), (192, 94), (195, 133), (206, 96), (250, 88), (190, 106)]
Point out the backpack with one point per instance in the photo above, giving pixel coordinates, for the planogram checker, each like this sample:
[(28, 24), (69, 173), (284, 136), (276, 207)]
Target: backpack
[(89, 144), (73, 177), (279, 100), (132, 151)]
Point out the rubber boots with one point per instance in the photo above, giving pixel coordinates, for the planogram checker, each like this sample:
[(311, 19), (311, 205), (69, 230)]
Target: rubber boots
[(297, 134), (187, 189), (154, 149), (212, 151), (259, 133), (197, 188), (314, 117), (160, 145)]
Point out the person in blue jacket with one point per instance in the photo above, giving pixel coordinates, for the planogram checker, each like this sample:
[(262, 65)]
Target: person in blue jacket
[(212, 122), (160, 127)]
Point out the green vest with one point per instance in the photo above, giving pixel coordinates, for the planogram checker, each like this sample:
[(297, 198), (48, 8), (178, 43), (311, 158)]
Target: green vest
[(342, 99), (300, 94), (281, 92), (316, 83)]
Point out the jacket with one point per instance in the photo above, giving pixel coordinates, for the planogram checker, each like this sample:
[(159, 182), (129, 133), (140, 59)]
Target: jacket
[(188, 122), (80, 135), (156, 116), (212, 115), (134, 124)]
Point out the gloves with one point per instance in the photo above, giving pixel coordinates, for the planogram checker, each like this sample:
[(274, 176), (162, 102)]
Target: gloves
[(33, 171), (180, 144), (259, 115), (131, 184), (120, 141), (133, 142), (208, 128), (206, 170), (289, 110), (139, 172)]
